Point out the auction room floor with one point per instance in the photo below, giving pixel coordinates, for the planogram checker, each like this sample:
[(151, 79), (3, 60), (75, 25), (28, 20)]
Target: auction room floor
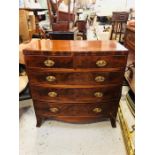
[(58, 138)]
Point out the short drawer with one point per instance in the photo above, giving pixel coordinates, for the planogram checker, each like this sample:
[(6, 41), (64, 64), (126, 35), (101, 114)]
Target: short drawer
[(81, 95), (91, 109), (100, 61), (49, 62), (75, 78)]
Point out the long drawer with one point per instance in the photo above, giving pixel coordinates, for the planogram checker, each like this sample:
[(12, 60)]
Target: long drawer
[(74, 94), (75, 78), (91, 109)]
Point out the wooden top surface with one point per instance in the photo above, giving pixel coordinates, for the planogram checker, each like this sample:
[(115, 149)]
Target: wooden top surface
[(37, 46)]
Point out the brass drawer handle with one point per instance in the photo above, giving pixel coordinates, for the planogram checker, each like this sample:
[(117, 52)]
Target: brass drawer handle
[(99, 78), (98, 94), (52, 94), (97, 110), (101, 63), (50, 78), (49, 63), (54, 110)]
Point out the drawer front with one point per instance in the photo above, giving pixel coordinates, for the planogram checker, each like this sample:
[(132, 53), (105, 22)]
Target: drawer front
[(91, 109), (49, 62), (75, 78), (100, 61), (71, 95)]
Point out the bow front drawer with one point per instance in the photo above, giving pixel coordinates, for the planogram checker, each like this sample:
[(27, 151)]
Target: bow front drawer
[(75, 78), (49, 61), (91, 109), (81, 95)]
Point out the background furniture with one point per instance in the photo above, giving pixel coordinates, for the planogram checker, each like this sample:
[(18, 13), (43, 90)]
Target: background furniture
[(75, 81), (81, 24), (119, 21), (82, 27), (56, 35), (23, 81), (59, 20), (62, 35), (127, 108), (39, 33), (23, 26), (24, 92), (130, 44), (104, 20)]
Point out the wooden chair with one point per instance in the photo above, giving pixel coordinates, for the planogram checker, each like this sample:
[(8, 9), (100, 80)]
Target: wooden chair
[(59, 20), (119, 22)]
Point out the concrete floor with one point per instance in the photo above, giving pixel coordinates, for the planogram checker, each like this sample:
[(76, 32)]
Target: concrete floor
[(58, 138)]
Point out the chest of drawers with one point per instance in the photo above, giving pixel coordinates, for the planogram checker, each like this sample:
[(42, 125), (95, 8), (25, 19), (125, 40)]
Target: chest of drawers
[(75, 81)]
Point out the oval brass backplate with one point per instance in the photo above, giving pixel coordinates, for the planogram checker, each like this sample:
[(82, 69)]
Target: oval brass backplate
[(98, 94), (97, 110), (54, 110), (50, 78), (99, 78), (49, 63), (101, 63), (52, 94)]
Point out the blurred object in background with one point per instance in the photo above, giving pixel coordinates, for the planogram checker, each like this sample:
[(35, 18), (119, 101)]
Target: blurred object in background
[(131, 23), (131, 14)]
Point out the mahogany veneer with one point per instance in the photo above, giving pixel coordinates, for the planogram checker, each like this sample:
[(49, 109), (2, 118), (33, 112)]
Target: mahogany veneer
[(75, 81)]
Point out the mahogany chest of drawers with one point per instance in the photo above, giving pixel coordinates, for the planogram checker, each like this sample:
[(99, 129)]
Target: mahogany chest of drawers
[(75, 81)]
